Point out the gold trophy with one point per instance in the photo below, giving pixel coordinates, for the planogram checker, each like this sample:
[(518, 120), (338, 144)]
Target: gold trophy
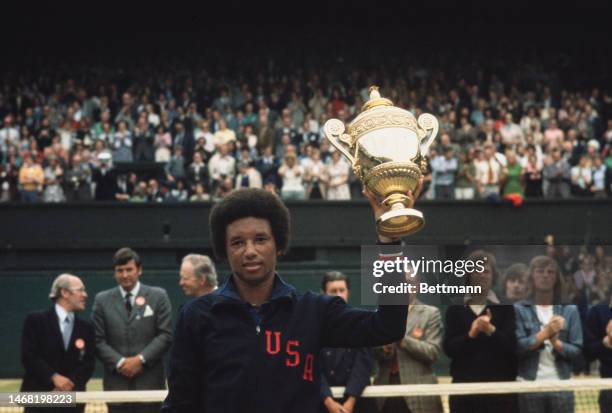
[(386, 146)]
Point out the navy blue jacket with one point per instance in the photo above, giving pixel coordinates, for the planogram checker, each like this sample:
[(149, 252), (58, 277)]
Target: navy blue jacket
[(594, 332), (43, 354), (484, 358), (227, 357), (348, 367)]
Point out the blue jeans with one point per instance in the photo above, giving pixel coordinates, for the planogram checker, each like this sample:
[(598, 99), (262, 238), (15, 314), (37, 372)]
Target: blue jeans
[(444, 191), (30, 196), (547, 402)]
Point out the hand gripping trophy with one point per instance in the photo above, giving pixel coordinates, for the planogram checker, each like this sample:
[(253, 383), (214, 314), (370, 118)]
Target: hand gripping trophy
[(387, 146)]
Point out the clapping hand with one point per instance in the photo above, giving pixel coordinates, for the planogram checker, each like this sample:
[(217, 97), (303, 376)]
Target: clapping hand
[(555, 325), (482, 324), (609, 328)]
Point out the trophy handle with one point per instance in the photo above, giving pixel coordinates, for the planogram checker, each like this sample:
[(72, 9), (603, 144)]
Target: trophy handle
[(427, 122), (334, 132)]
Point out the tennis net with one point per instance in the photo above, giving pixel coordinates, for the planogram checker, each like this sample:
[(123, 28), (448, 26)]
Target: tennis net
[(576, 395)]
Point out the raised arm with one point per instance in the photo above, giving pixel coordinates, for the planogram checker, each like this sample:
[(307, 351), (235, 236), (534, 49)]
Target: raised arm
[(344, 326)]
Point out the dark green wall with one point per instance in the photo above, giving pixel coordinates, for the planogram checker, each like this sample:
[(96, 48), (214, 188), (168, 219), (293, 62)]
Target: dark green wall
[(37, 242), (28, 291)]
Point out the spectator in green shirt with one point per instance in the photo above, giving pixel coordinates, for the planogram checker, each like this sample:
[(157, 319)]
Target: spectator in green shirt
[(514, 175)]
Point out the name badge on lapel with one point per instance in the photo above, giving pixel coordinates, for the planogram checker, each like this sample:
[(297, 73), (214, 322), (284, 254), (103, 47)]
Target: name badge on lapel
[(79, 343), (140, 301)]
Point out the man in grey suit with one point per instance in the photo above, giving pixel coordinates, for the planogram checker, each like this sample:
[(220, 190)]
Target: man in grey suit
[(133, 332), (410, 361)]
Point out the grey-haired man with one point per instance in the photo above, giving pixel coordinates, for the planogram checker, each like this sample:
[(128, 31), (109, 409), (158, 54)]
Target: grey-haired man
[(57, 348), (198, 275)]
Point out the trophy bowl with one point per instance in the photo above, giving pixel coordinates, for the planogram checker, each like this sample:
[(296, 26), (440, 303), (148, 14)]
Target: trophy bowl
[(386, 146)]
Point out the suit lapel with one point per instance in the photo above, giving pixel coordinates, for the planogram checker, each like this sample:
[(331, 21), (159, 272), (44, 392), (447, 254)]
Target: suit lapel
[(76, 332), (56, 334), (138, 310), (120, 304), (414, 318)]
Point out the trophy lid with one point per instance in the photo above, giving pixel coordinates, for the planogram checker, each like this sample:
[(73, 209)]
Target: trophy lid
[(375, 99), (380, 113)]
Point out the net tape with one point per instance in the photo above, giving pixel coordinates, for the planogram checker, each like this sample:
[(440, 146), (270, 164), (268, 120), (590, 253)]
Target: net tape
[(594, 384)]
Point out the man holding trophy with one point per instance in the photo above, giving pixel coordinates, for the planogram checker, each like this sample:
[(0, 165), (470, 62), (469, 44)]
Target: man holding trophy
[(253, 344)]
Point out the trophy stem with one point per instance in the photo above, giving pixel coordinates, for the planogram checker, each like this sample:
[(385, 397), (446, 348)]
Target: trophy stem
[(397, 205), (396, 201), (399, 220)]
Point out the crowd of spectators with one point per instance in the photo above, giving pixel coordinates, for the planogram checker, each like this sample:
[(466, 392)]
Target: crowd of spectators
[(84, 133)]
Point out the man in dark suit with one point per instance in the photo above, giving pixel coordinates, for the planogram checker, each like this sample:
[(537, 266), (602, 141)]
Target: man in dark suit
[(105, 179), (133, 332), (598, 345), (348, 367), (57, 348)]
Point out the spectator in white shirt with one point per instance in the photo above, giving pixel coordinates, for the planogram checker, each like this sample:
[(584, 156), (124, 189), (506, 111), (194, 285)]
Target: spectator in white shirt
[(511, 133), (162, 144), (582, 177), (221, 165), (489, 172), (223, 135), (315, 175), (292, 175), (9, 135), (338, 172), (204, 131)]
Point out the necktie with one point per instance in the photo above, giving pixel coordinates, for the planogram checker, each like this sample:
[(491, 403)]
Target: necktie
[(490, 177), (128, 303), (67, 332)]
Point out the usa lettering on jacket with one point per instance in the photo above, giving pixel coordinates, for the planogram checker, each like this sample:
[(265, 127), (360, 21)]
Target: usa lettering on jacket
[(293, 356)]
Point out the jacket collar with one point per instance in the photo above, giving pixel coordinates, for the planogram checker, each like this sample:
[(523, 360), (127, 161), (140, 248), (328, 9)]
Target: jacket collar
[(491, 298), (135, 291), (280, 291), (528, 302)]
